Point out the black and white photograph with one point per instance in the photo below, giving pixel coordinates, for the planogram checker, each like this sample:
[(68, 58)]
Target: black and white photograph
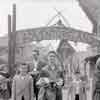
[(49, 49)]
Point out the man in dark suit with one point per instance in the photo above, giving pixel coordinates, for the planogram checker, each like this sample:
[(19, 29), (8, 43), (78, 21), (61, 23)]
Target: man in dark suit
[(36, 69)]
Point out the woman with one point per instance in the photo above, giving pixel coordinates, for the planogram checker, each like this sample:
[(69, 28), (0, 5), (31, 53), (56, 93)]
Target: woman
[(96, 95)]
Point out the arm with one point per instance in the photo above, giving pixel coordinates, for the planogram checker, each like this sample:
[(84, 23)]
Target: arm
[(41, 80), (60, 79)]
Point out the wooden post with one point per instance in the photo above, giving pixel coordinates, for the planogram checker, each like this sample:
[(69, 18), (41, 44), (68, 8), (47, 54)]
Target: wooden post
[(12, 41), (9, 43), (14, 18), (14, 33)]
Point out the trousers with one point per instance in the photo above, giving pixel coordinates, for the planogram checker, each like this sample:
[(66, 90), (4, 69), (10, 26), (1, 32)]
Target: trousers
[(77, 97)]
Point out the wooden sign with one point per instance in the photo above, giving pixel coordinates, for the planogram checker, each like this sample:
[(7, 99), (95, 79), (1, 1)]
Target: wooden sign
[(56, 32)]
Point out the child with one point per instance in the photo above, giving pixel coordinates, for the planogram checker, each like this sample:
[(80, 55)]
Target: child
[(22, 87), (77, 86)]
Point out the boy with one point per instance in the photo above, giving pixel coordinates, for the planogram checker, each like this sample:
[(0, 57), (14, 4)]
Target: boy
[(22, 87)]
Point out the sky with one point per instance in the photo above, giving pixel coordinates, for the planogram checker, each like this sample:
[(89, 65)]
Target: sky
[(37, 13)]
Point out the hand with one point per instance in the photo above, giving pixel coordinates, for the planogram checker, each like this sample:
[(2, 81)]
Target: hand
[(59, 82), (34, 72), (43, 81)]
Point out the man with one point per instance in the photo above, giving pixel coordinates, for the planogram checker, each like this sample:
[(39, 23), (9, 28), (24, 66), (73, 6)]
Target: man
[(36, 69), (52, 75), (22, 87), (37, 63)]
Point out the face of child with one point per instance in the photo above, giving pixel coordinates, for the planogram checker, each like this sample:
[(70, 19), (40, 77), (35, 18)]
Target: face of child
[(52, 58), (35, 55), (23, 69)]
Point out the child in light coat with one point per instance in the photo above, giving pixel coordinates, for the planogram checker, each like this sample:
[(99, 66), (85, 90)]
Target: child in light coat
[(22, 87)]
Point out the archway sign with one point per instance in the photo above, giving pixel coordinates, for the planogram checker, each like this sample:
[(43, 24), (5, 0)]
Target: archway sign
[(53, 32)]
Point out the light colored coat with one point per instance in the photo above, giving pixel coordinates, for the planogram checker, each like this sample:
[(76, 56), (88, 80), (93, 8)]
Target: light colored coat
[(22, 87)]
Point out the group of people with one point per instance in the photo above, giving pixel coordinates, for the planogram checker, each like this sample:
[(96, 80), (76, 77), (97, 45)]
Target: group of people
[(41, 81), (45, 80)]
